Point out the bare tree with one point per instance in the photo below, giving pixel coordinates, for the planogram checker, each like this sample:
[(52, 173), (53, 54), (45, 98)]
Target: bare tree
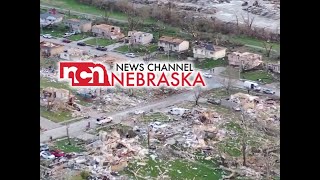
[(197, 95), (228, 81), (248, 22), (244, 137), (134, 20), (268, 47), (193, 27)]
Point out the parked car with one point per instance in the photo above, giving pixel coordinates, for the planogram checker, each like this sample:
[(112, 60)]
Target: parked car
[(207, 75), (132, 55), (214, 101), (268, 91), (44, 147), (100, 48), (46, 155), (81, 44), (66, 41), (69, 34), (47, 36), (57, 153), (104, 121)]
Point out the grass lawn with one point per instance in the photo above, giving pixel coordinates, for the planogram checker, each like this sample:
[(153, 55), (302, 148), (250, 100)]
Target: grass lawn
[(100, 42), (172, 57), (78, 37), (209, 63), (59, 116), (63, 145), (157, 116), (76, 6), (138, 49), (260, 74), (176, 169), (56, 31), (253, 42)]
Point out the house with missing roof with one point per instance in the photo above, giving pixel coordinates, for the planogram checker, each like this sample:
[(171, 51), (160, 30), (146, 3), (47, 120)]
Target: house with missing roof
[(138, 37), (246, 60), (107, 31), (208, 50), (78, 25), (167, 43), (51, 17), (50, 49)]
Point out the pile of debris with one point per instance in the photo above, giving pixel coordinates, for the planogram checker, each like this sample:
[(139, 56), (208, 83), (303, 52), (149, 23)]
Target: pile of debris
[(113, 152), (270, 10), (264, 110)]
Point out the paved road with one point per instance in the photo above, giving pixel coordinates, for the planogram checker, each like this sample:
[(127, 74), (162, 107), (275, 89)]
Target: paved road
[(47, 124), (91, 50), (90, 16)]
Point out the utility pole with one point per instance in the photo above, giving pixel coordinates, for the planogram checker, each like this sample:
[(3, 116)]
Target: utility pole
[(69, 142), (148, 138)]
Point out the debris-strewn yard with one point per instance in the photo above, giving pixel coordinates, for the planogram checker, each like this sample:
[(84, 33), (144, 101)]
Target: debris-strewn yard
[(63, 145), (254, 75), (56, 116)]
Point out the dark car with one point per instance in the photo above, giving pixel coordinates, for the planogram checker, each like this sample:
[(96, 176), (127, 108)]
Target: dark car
[(66, 41), (100, 48), (81, 44)]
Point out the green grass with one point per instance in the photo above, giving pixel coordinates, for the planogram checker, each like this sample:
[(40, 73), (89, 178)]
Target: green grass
[(157, 116), (172, 57), (177, 169), (231, 147), (63, 145), (59, 116), (78, 37), (77, 177), (56, 31), (233, 126), (138, 49), (114, 127), (210, 63), (76, 6), (253, 42), (260, 74), (100, 42)]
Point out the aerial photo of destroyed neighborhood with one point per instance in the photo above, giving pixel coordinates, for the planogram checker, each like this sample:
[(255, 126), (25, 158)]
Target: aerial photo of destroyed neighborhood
[(228, 130)]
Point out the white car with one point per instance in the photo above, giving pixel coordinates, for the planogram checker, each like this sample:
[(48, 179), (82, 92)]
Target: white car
[(47, 36), (207, 75), (104, 121), (69, 34), (132, 55), (46, 155)]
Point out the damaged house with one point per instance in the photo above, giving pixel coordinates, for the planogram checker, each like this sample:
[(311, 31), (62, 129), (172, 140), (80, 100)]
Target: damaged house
[(246, 60), (107, 31), (138, 37), (79, 26), (208, 50), (167, 43), (50, 18), (49, 49), (274, 67)]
